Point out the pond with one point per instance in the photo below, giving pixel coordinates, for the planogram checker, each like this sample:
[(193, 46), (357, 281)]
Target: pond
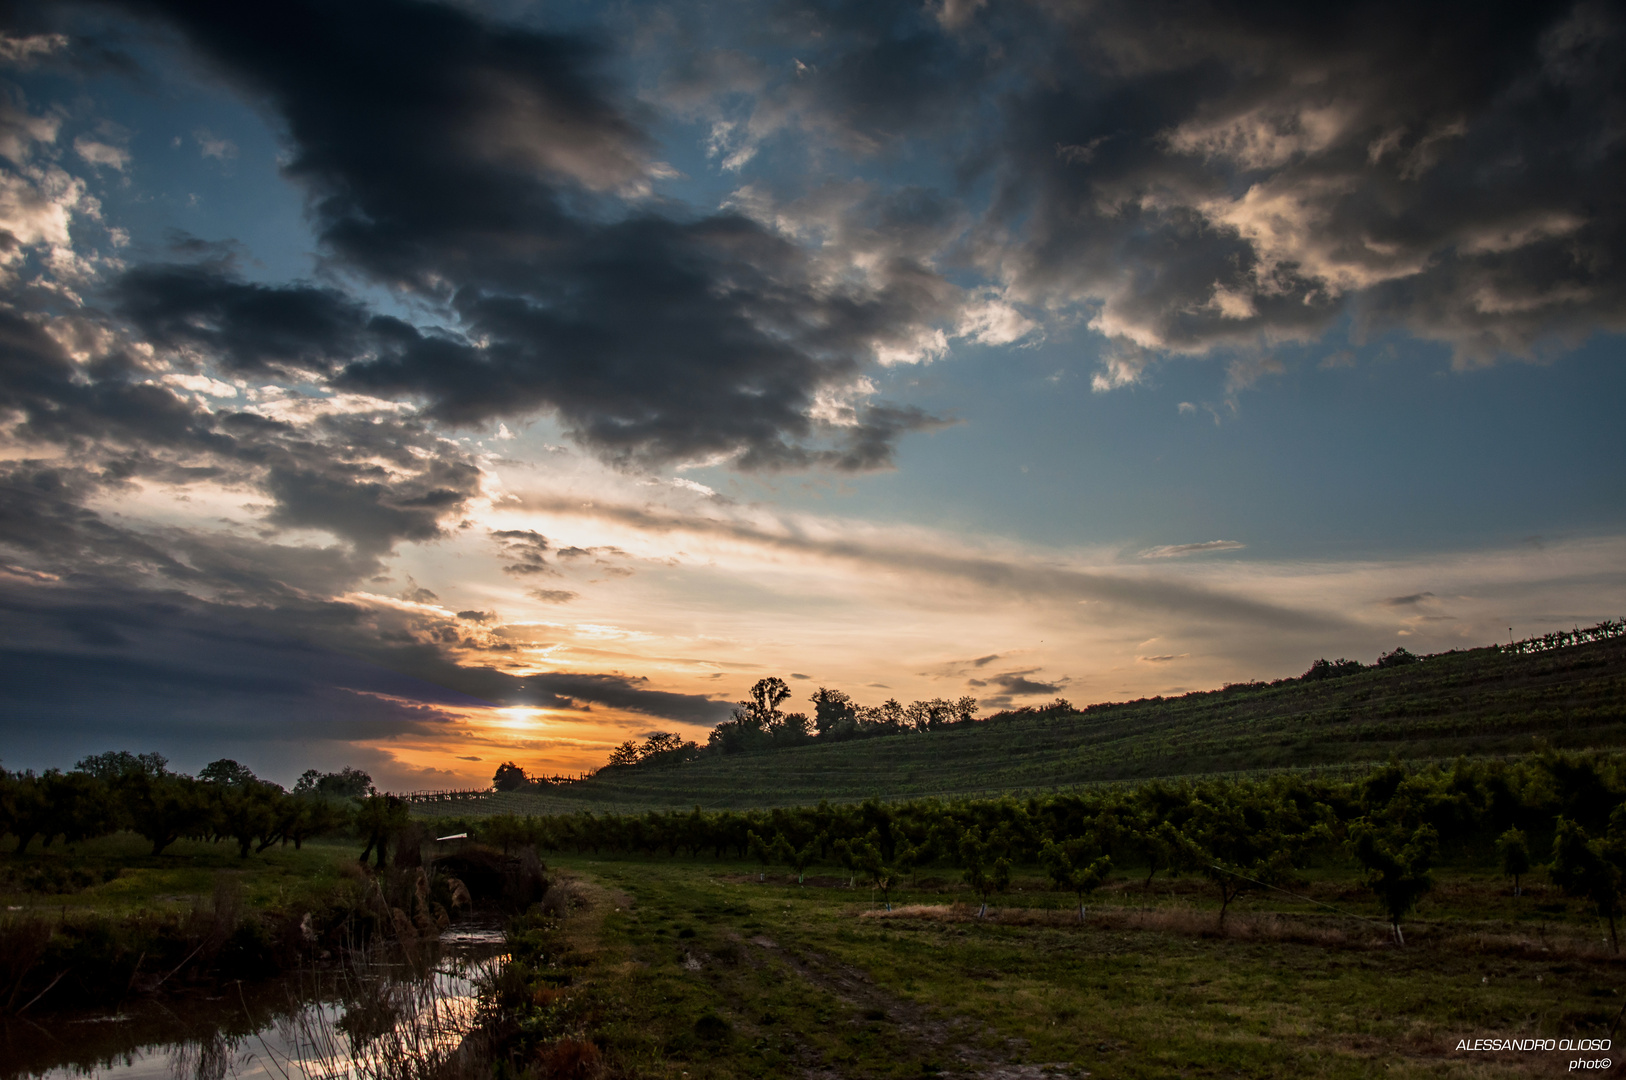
[(382, 1016)]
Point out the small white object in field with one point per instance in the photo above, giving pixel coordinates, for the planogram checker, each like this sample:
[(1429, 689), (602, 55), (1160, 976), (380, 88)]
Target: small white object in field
[(454, 836)]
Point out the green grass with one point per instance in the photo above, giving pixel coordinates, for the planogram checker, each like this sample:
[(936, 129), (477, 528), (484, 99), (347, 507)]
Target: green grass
[(699, 970), (1476, 703), (126, 879)]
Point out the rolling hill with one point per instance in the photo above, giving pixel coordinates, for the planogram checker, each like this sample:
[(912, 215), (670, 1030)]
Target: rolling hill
[(1482, 701)]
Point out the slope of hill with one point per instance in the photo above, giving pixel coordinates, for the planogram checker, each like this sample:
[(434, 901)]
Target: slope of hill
[(1476, 702)]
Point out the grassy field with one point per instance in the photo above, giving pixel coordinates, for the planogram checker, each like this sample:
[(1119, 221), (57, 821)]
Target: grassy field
[(697, 969), (1477, 702), (117, 876)]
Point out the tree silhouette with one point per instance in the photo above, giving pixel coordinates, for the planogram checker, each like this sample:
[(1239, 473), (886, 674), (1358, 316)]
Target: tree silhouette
[(510, 777), (835, 715)]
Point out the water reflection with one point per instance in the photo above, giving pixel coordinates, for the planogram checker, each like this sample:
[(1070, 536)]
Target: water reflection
[(399, 1016)]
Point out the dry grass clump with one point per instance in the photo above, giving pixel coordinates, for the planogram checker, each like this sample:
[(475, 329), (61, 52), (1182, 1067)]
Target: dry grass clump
[(1185, 922)]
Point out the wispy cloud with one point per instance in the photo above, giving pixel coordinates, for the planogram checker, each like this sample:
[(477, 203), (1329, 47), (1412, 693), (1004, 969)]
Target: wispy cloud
[(213, 146), (1012, 576), (1179, 551)]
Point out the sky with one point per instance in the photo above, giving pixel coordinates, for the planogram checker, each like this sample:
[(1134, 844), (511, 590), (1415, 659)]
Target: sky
[(421, 386)]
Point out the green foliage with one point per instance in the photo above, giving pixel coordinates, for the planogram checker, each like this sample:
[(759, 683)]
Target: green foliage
[(987, 868), (1513, 849), (378, 818), (1074, 866), (1396, 863), (1592, 867), (165, 807), (119, 790), (1241, 835), (1249, 841), (835, 714), (796, 858), (117, 765)]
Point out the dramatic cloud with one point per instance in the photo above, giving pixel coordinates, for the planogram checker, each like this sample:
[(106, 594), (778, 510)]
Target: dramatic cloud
[(496, 172), (1186, 178), (260, 331), (430, 456), (1227, 176)]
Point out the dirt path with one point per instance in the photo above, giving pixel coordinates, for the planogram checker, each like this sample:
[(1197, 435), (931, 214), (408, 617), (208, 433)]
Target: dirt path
[(958, 1046)]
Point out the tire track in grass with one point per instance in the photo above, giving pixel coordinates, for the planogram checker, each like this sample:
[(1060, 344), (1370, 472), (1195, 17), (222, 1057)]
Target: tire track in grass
[(946, 1047)]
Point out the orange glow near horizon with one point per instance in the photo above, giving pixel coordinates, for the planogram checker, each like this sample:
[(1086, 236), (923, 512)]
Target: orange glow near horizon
[(542, 741)]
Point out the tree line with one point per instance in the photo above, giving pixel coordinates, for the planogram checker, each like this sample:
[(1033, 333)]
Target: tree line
[(225, 801), (760, 723), (1242, 835), (1563, 639)]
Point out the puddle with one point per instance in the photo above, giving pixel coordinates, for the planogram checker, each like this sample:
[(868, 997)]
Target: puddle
[(329, 1024)]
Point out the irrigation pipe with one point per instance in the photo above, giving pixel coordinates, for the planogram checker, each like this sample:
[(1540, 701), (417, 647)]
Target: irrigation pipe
[(1296, 896), (47, 990), (183, 963)]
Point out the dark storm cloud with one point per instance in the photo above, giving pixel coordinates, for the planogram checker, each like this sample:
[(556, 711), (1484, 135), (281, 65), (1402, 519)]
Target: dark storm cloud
[(495, 170), (245, 328), (1214, 174), (1187, 177), (364, 504)]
